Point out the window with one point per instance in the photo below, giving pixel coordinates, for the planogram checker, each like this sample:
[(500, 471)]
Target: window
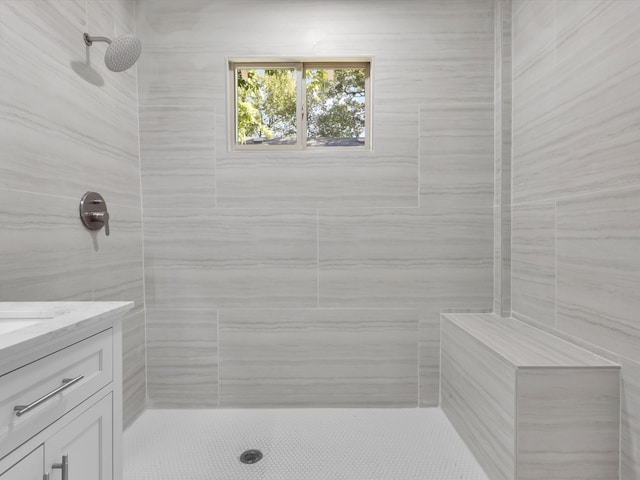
[(300, 105)]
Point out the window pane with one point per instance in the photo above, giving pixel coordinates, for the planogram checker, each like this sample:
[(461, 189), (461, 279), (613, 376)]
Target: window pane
[(335, 107), (266, 106)]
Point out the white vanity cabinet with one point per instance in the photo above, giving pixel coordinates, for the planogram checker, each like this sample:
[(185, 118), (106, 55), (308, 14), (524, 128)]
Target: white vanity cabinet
[(84, 444), (79, 446), (61, 412), (31, 466)]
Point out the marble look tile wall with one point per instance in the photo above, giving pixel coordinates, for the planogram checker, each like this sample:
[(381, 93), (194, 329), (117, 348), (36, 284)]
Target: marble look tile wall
[(480, 406), (182, 353), (311, 258), (533, 274), (576, 181), (567, 413), (329, 357), (69, 125)]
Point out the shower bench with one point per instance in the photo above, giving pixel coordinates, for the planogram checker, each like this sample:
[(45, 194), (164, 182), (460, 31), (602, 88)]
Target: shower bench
[(528, 404)]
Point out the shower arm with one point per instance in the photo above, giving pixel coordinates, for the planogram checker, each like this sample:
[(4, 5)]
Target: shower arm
[(89, 39)]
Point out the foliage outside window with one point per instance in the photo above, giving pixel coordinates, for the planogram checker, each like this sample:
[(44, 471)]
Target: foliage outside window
[(300, 105)]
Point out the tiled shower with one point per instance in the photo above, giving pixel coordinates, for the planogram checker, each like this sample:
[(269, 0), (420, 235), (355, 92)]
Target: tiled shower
[(504, 177), (265, 262)]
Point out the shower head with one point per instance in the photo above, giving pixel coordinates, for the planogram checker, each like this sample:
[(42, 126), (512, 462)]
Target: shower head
[(121, 53)]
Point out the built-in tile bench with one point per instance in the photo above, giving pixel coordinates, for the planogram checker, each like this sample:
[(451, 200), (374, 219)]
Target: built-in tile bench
[(528, 404)]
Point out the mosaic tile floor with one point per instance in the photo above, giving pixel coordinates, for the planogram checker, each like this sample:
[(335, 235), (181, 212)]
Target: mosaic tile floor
[(304, 444)]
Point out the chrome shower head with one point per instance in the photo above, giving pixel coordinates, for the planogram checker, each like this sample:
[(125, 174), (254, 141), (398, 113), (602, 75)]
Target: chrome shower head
[(122, 53)]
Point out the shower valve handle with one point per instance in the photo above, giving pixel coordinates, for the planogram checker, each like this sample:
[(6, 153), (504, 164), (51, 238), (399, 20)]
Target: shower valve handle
[(102, 217), (93, 212)]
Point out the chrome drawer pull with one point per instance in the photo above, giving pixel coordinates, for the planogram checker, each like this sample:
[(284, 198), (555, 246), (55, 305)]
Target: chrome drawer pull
[(66, 383)]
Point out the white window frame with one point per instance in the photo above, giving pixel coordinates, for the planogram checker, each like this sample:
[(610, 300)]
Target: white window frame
[(300, 66)]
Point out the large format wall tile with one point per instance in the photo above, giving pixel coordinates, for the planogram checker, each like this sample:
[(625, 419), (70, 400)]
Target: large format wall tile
[(62, 136), (182, 353), (533, 262), (575, 129), (177, 151), (456, 155), (582, 26), (117, 270), (599, 270), (230, 258), (318, 358), (46, 252), (405, 257), (453, 62), (568, 424), (533, 31)]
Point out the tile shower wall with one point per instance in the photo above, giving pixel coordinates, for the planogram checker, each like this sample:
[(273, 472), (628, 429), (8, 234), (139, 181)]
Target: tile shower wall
[(576, 183), (68, 125), (315, 278)]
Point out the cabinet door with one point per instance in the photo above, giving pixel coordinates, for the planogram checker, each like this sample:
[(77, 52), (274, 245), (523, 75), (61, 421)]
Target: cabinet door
[(87, 444), (29, 468)]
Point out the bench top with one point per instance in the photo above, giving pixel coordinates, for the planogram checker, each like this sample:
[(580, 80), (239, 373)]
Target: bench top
[(523, 345)]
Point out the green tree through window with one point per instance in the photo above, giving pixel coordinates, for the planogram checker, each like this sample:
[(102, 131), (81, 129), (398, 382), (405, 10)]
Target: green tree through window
[(333, 101), (266, 105)]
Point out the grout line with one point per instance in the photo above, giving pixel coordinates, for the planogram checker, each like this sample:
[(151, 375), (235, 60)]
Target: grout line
[(282, 309), (288, 208), (555, 263), (555, 33), (440, 361), (515, 429), (497, 155), (572, 340), (218, 353), (215, 158), (65, 197), (620, 426), (318, 257), (144, 285), (169, 105), (419, 360), (576, 196), (511, 169), (419, 156)]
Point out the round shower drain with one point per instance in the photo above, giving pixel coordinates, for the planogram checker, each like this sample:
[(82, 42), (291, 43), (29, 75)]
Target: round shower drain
[(251, 456)]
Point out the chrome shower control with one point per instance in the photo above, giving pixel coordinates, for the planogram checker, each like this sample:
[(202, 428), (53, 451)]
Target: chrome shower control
[(102, 217), (93, 212)]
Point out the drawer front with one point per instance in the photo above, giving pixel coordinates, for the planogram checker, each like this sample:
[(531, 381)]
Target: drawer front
[(45, 385)]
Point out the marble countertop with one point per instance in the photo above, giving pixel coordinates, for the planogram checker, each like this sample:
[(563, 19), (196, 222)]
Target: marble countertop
[(30, 327)]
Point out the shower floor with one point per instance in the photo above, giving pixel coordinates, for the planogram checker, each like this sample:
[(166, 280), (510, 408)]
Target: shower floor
[(298, 444)]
